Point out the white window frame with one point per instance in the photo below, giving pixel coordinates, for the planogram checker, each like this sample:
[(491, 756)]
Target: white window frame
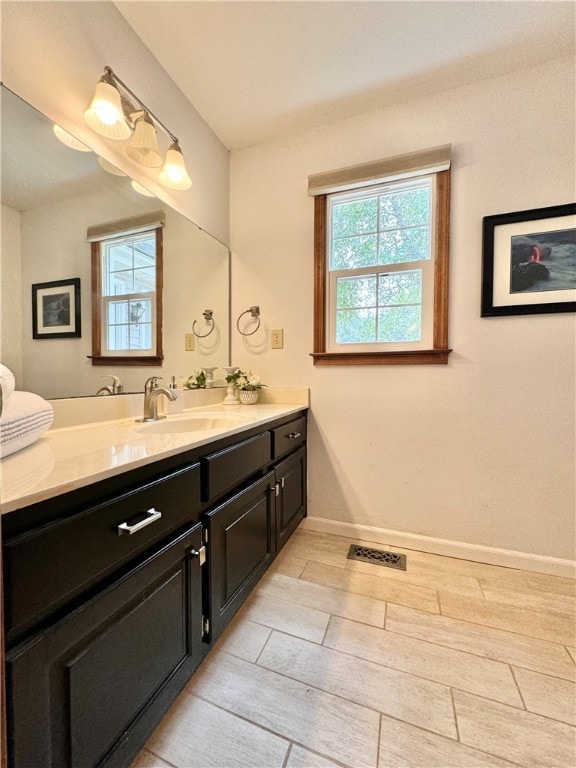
[(425, 266)]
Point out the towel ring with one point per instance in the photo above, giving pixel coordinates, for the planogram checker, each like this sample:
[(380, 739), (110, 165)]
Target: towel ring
[(208, 317), (255, 312)]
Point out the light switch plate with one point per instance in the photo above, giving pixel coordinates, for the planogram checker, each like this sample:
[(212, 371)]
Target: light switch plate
[(189, 342)]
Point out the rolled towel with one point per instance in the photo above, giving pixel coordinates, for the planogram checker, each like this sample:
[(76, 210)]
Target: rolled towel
[(25, 417), (7, 382)]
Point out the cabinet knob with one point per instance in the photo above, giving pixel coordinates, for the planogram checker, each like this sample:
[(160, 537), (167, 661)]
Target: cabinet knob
[(293, 435), (152, 516)]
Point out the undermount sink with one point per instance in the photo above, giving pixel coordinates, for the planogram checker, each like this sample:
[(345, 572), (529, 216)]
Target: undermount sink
[(199, 422)]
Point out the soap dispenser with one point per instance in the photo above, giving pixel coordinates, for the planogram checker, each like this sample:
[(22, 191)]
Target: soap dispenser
[(175, 406)]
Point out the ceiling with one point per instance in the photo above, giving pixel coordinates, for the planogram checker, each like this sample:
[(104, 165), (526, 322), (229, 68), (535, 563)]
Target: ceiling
[(256, 71)]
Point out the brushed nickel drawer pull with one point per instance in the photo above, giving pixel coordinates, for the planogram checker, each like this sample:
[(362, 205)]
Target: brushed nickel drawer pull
[(153, 515), (293, 435)]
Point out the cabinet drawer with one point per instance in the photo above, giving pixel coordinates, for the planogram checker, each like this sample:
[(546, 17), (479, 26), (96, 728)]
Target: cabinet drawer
[(225, 469), (46, 567), (288, 437)]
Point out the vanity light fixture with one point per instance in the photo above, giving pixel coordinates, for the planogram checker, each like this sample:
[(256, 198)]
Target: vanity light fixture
[(117, 113)]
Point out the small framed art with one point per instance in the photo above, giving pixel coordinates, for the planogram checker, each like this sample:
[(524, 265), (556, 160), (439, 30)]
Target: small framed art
[(529, 262), (56, 309)]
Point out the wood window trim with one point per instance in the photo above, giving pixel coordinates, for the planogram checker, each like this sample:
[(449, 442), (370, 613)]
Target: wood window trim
[(438, 355), (109, 360)]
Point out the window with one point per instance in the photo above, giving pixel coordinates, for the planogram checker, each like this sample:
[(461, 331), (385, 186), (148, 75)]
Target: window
[(381, 262), (127, 292)]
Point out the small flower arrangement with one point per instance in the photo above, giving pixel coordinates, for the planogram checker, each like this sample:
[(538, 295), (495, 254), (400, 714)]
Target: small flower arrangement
[(196, 381), (244, 380)]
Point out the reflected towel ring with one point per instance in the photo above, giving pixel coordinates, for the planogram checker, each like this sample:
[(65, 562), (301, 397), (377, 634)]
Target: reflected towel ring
[(208, 317), (255, 312)]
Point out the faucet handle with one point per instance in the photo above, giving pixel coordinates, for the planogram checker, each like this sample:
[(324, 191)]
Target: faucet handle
[(117, 386), (151, 383)]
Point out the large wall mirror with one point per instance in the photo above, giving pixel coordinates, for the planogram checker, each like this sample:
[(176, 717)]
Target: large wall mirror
[(51, 194)]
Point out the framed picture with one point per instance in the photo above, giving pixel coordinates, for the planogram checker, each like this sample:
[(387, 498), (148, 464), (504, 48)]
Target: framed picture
[(56, 309), (529, 262)]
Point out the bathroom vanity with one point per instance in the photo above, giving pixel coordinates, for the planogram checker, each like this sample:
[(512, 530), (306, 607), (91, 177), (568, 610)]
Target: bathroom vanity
[(117, 583)]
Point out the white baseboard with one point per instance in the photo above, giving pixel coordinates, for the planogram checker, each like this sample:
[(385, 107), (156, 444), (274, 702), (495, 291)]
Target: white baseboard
[(476, 552)]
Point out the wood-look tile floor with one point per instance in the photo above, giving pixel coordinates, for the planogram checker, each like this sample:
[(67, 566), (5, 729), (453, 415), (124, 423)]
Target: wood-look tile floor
[(333, 662)]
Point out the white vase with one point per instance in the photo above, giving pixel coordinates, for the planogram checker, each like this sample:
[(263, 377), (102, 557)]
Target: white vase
[(248, 396)]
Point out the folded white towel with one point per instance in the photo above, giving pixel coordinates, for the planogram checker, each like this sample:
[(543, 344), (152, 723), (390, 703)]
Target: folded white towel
[(7, 382), (25, 417)]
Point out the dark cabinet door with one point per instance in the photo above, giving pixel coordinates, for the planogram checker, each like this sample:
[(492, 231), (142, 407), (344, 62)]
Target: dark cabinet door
[(291, 495), (241, 545), (89, 690)]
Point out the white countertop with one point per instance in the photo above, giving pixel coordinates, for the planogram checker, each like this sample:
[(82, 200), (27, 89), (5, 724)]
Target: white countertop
[(72, 457)]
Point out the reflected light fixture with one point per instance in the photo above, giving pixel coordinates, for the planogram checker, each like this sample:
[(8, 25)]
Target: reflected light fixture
[(141, 190), (69, 140), (117, 113), (109, 167)]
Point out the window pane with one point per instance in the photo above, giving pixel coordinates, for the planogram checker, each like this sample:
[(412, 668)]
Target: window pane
[(400, 288), (356, 292), (118, 338), (354, 218), (404, 245), (144, 280), (353, 252), (405, 209), (117, 312), (119, 283), (399, 323), (141, 311), (355, 326), (141, 337)]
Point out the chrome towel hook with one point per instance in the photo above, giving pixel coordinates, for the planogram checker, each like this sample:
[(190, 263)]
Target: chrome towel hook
[(208, 316), (255, 313)]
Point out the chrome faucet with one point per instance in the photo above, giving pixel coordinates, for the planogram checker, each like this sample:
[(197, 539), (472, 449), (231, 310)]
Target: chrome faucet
[(116, 388), (151, 394)]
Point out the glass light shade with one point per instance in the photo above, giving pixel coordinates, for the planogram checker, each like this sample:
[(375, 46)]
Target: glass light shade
[(69, 140), (143, 148), (174, 174), (105, 115), (141, 190)]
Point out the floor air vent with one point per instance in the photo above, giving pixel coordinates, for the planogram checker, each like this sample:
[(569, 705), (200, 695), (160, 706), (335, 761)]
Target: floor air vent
[(377, 557)]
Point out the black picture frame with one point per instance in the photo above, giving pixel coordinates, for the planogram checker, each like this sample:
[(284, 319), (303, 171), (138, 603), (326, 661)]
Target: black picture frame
[(518, 249), (56, 309)]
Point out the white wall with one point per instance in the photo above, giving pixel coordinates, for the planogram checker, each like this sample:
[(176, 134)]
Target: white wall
[(10, 292), (53, 54), (481, 450)]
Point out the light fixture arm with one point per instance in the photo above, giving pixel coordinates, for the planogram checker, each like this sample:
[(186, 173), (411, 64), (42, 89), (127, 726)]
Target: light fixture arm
[(110, 75)]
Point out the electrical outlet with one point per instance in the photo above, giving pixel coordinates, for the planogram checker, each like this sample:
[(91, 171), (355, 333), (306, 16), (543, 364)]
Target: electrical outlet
[(277, 341), (189, 342)]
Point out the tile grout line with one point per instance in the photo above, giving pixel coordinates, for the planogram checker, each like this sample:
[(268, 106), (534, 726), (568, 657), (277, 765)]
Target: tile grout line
[(287, 755), (477, 655), (455, 716), (518, 687), (261, 727), (379, 742), (172, 765), (490, 626)]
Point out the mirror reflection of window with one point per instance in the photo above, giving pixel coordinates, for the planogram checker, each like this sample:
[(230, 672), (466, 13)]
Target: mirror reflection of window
[(129, 293), (127, 270)]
